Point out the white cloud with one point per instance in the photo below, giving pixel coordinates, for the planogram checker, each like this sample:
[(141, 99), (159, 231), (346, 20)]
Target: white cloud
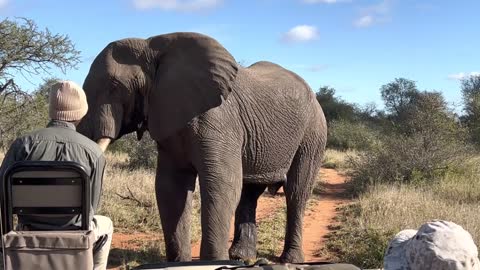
[(373, 14), (462, 75), (325, 1), (176, 5), (364, 21), (301, 33)]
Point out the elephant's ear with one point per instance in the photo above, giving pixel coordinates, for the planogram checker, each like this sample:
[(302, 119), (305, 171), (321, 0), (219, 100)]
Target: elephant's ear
[(193, 73)]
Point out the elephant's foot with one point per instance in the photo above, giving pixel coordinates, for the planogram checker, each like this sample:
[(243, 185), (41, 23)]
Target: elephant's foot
[(239, 251), (178, 256), (292, 256), (213, 257)]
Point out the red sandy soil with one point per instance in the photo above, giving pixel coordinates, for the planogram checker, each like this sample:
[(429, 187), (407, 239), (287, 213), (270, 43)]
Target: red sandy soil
[(318, 218)]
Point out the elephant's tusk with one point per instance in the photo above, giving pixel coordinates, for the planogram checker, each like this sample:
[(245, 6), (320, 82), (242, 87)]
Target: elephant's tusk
[(103, 143)]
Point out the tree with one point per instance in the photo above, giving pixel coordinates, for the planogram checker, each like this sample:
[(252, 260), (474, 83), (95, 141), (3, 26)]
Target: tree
[(398, 96), (333, 107), (27, 51), (471, 100), (422, 141)]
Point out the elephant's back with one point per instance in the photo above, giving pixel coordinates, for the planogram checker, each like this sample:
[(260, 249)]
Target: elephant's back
[(277, 76), (269, 81), (276, 107)]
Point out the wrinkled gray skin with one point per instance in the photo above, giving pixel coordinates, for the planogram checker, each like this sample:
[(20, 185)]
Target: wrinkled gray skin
[(240, 129)]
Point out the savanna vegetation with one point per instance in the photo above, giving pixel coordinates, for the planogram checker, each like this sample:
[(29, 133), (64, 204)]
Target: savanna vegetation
[(422, 164), (409, 161)]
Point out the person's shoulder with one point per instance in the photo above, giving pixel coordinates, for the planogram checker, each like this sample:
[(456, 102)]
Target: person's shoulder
[(87, 143), (32, 135)]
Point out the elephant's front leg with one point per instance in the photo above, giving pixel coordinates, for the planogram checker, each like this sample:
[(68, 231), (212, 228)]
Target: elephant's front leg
[(174, 188), (220, 187)]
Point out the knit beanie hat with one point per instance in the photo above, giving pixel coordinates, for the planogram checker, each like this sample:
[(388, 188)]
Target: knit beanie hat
[(67, 102)]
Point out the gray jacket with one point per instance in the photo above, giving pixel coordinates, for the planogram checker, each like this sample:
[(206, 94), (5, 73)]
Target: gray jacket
[(59, 141)]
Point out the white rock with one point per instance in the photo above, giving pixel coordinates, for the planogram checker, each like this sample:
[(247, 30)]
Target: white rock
[(439, 245)]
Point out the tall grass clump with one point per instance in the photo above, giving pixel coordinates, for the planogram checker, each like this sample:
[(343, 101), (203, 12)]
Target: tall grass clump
[(385, 209), (336, 159)]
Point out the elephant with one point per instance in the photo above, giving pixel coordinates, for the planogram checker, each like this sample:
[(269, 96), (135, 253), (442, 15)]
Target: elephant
[(274, 188), (238, 128)]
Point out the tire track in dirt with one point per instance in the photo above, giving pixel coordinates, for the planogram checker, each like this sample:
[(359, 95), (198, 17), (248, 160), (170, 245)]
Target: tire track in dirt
[(320, 216)]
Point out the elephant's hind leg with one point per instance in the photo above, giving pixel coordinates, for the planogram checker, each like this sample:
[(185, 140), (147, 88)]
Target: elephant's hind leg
[(244, 244), (300, 180)]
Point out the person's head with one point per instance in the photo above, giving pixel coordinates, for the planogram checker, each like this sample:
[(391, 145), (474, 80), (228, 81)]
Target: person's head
[(67, 102)]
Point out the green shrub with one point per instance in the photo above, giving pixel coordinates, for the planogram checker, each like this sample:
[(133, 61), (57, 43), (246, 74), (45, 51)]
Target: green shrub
[(344, 135), (141, 154), (456, 185), (406, 159)]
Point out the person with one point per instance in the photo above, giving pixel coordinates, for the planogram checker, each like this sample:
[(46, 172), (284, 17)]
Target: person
[(438, 244), (59, 141)]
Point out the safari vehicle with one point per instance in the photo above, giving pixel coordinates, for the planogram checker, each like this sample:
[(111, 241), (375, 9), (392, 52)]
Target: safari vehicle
[(259, 265)]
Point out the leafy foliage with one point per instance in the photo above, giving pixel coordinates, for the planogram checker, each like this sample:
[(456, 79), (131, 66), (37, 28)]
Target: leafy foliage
[(28, 117), (424, 139), (27, 51), (333, 107), (471, 100), (141, 154), (344, 135)]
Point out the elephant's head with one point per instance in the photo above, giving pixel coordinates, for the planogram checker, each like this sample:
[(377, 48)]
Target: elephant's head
[(165, 80)]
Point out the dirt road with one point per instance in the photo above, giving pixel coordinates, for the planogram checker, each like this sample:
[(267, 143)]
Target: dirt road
[(318, 217)]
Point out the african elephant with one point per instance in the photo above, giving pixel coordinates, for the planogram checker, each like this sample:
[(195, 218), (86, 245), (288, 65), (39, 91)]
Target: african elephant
[(240, 129)]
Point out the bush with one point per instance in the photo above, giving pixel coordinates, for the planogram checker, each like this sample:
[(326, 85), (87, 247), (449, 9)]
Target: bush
[(345, 135), (406, 159), (422, 142), (141, 154), (335, 108)]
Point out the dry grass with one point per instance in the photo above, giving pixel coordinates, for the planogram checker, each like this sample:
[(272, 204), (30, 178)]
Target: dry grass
[(128, 196), (385, 209), (129, 200), (396, 208), (271, 232), (335, 159)]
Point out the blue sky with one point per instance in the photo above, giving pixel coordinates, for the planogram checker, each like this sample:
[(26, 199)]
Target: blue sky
[(354, 46)]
